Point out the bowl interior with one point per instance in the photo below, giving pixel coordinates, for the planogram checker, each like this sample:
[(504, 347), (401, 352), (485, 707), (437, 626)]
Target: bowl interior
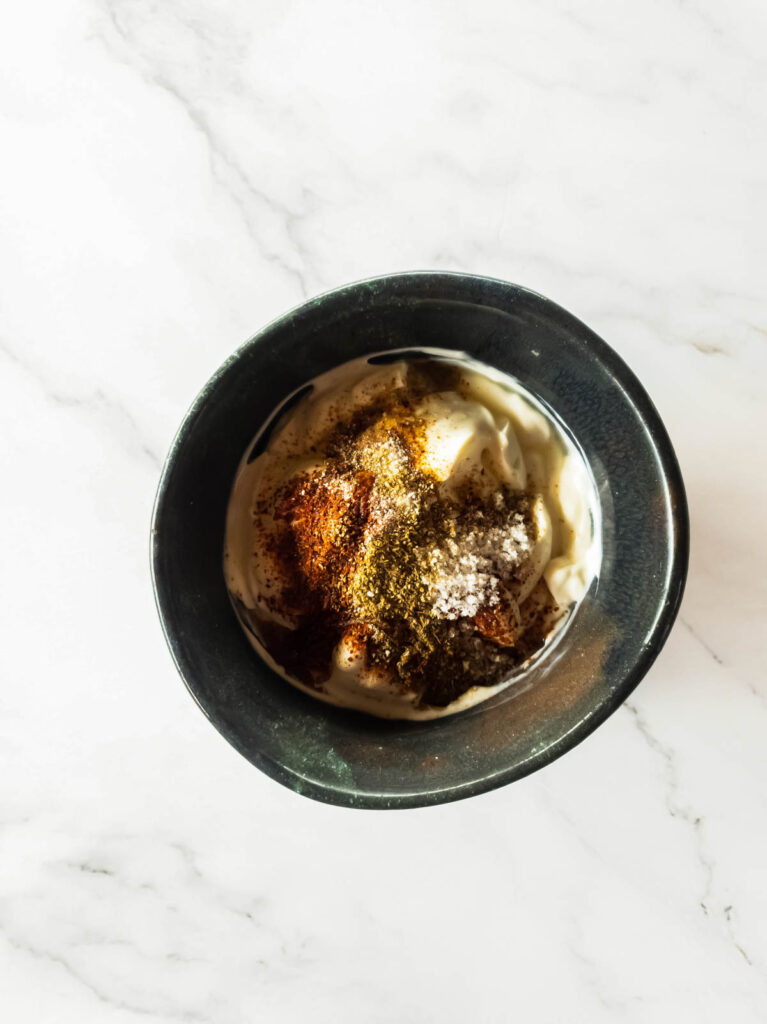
[(348, 758)]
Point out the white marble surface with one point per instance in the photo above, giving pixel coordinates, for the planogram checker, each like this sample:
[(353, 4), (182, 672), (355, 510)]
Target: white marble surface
[(173, 176)]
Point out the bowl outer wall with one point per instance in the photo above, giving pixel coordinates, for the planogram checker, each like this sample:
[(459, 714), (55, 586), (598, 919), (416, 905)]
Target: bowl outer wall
[(353, 760)]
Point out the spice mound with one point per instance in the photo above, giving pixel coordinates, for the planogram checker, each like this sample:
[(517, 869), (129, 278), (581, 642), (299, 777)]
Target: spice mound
[(399, 543)]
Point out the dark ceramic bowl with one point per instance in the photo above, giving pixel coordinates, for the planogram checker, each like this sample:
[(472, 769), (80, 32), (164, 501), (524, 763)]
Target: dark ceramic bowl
[(345, 757)]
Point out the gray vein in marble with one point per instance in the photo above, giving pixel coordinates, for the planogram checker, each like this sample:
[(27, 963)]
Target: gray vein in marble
[(592, 978), (103, 877), (92, 869), (658, 325), (686, 814), (701, 641), (673, 802), (653, 70), (686, 77), (93, 940), (569, 15), (728, 913), (561, 813), (15, 822), (188, 858), (219, 157), (97, 401), (709, 350), (569, 86), (96, 868), (96, 991), (648, 296), (721, 36), (753, 690)]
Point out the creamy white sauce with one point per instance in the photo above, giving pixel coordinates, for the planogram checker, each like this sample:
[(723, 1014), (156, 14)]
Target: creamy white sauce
[(492, 424)]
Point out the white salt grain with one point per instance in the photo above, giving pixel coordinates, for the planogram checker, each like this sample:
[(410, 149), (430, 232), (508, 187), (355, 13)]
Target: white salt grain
[(466, 572)]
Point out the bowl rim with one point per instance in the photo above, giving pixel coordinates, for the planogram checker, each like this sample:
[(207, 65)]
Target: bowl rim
[(664, 621)]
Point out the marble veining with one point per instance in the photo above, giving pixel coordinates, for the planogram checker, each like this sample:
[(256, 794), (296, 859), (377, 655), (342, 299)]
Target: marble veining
[(175, 176)]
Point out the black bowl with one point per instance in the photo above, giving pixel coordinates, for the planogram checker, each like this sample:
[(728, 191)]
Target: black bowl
[(345, 757)]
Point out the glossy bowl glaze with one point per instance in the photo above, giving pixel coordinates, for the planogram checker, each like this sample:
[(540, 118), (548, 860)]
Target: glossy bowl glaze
[(345, 757)]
